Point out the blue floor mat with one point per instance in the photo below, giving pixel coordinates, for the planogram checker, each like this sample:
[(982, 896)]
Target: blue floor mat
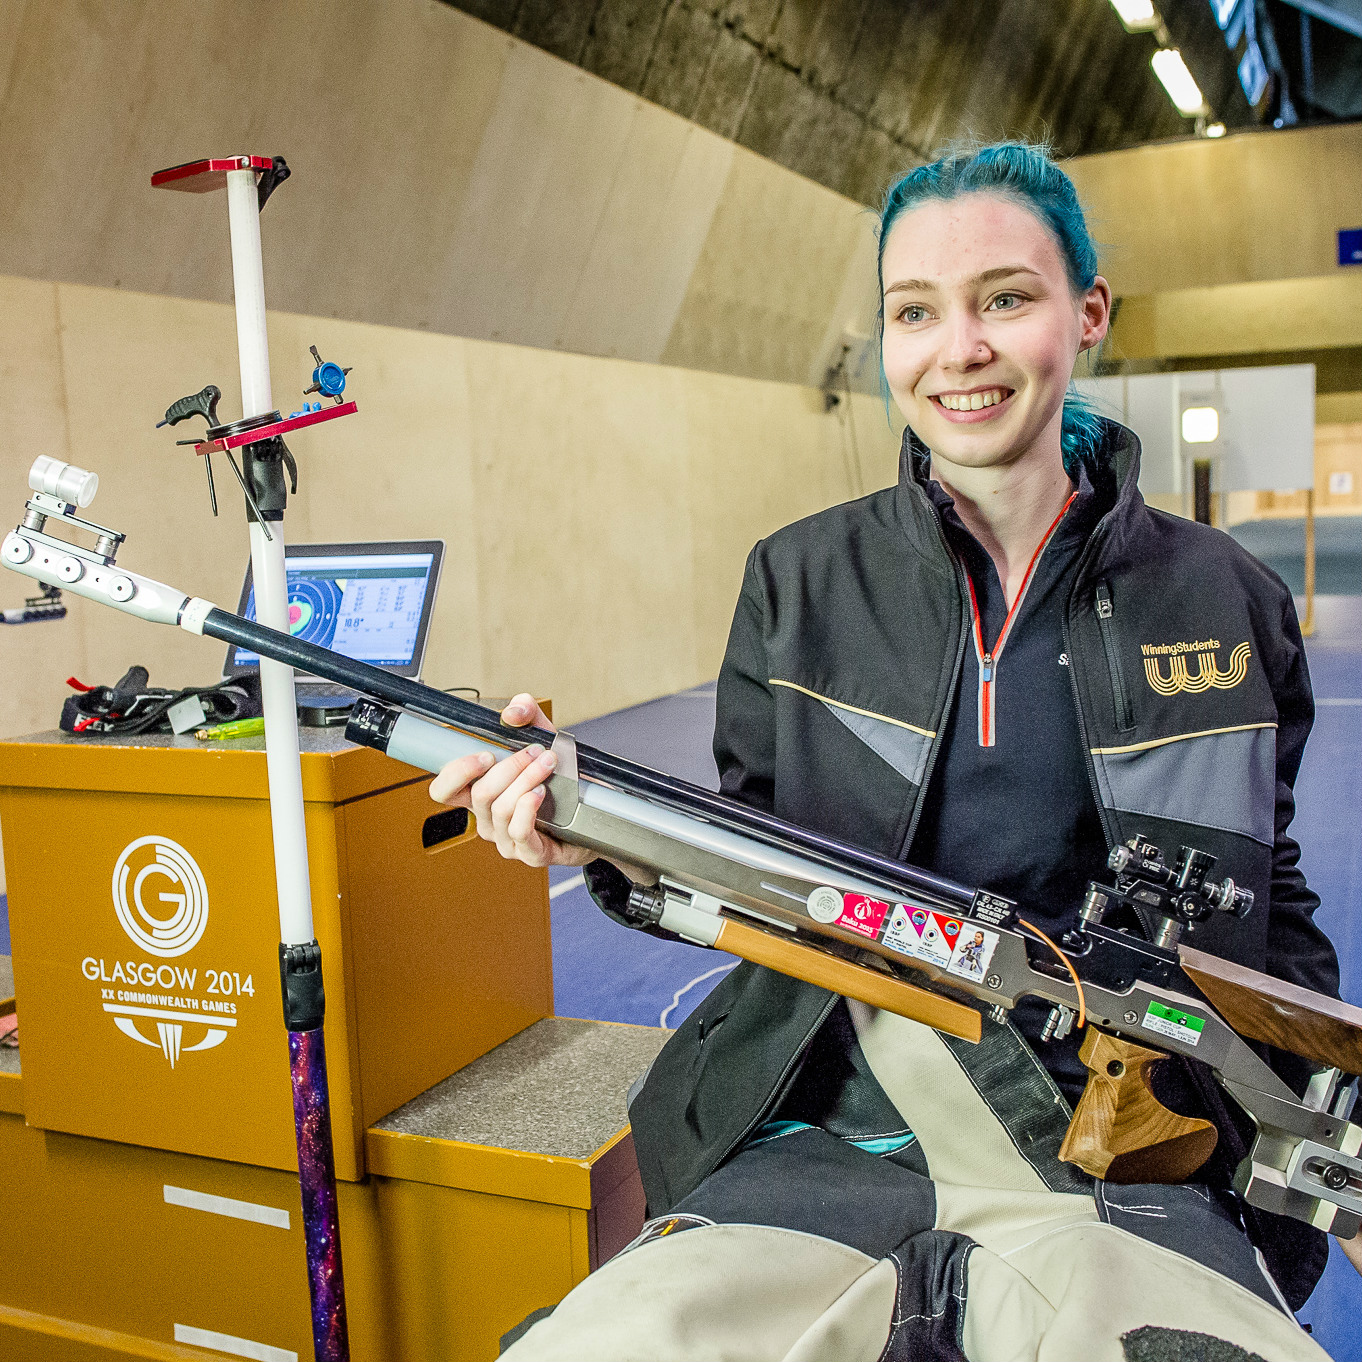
[(600, 969), (1328, 797), (1281, 545)]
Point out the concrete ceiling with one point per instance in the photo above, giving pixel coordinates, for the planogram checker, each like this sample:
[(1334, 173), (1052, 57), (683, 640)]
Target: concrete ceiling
[(851, 92)]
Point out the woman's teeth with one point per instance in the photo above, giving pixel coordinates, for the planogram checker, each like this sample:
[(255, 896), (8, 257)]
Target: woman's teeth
[(971, 401)]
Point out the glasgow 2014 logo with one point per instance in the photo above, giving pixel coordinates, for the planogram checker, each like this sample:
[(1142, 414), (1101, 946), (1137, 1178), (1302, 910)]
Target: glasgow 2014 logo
[(163, 936), (160, 898)]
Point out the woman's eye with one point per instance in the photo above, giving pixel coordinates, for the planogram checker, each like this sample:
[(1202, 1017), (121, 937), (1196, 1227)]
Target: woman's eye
[(914, 312), (1006, 302)]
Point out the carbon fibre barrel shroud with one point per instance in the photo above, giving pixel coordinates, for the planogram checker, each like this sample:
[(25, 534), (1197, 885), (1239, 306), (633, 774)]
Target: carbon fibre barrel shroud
[(317, 1179), (591, 762)]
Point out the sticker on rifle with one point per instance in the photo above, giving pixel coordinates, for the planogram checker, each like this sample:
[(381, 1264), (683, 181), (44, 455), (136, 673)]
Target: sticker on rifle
[(900, 935), (1168, 1021), (862, 914), (924, 935), (973, 950), (825, 904), (993, 909)]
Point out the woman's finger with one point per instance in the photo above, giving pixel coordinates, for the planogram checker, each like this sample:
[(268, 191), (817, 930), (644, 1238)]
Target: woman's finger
[(498, 779), (452, 784), (527, 842), (504, 805), (523, 710)]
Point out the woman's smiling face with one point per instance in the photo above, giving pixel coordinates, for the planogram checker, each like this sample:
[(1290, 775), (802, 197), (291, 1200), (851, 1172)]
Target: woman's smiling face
[(982, 327)]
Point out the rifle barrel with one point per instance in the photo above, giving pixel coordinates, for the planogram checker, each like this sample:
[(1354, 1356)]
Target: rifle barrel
[(631, 777)]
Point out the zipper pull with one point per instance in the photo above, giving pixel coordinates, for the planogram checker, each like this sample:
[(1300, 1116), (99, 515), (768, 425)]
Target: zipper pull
[(986, 668), (1104, 607)]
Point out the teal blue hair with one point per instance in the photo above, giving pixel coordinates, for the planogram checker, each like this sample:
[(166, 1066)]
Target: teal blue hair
[(1026, 173)]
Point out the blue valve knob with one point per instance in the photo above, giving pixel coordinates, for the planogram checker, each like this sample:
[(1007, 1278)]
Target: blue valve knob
[(327, 378)]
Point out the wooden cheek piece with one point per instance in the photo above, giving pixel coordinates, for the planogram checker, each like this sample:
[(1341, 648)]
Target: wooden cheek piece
[(1120, 1131)]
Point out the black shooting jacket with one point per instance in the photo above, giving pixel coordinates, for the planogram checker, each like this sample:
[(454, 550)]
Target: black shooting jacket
[(1193, 703)]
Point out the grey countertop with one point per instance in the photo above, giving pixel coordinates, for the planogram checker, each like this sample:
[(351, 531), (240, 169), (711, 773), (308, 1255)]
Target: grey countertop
[(327, 741), (557, 1088)]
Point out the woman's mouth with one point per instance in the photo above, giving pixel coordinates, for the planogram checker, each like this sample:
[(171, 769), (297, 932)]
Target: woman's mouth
[(980, 405)]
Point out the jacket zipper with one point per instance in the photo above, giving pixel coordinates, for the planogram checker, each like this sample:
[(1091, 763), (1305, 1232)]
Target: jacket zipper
[(962, 587), (1103, 815), (1106, 627), (988, 659)]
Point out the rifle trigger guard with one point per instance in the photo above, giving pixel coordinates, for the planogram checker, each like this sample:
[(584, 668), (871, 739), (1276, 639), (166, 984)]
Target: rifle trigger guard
[(560, 808)]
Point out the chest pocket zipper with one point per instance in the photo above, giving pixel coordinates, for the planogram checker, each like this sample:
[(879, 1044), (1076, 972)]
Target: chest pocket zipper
[(1106, 626)]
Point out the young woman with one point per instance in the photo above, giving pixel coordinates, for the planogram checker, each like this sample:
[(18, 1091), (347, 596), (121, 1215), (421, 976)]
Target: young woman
[(951, 671)]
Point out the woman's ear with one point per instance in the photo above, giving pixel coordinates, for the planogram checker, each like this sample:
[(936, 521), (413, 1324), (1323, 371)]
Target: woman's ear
[(1096, 314)]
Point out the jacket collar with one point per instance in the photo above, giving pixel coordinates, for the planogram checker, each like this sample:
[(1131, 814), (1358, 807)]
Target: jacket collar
[(1115, 461)]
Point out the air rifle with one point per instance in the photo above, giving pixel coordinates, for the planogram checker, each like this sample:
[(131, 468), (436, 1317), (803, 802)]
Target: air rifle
[(738, 879)]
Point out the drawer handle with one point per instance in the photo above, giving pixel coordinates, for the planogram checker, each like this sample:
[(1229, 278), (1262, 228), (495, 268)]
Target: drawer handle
[(444, 827)]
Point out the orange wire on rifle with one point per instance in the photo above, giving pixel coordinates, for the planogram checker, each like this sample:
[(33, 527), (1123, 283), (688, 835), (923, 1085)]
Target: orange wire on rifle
[(1063, 960)]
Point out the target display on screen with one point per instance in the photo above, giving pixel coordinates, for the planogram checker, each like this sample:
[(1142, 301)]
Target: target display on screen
[(312, 609), (362, 600)]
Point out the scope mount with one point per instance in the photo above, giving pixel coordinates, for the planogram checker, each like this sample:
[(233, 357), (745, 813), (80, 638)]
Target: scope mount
[(1164, 900)]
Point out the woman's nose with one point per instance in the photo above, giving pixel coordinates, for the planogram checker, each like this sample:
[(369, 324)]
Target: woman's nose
[(964, 344)]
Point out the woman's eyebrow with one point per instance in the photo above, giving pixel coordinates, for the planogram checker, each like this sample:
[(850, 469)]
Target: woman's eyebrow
[(984, 277), (911, 286), (1003, 272)]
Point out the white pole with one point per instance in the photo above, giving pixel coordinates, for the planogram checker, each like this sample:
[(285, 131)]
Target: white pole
[(271, 581)]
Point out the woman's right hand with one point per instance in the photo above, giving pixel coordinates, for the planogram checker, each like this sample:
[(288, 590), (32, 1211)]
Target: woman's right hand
[(505, 796)]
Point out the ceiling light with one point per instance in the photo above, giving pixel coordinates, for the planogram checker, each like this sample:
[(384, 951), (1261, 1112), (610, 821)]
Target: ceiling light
[(1178, 81), (1200, 425), (1137, 15)]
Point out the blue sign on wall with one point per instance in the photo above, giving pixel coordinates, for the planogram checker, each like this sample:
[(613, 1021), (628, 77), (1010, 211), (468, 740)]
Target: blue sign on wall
[(1350, 246)]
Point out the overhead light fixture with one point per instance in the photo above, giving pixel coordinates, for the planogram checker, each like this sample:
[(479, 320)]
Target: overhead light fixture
[(1178, 81), (1200, 425), (1138, 16), (1215, 130)]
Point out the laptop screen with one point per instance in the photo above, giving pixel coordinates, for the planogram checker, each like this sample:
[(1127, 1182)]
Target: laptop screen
[(370, 602)]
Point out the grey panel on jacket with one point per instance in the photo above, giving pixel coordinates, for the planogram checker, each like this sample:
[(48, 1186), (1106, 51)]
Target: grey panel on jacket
[(903, 749), (1216, 780)]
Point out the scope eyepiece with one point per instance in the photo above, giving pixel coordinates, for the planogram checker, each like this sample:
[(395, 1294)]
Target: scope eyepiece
[(65, 481)]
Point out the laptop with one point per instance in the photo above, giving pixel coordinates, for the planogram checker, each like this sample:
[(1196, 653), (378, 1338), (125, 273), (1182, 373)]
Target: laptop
[(371, 602)]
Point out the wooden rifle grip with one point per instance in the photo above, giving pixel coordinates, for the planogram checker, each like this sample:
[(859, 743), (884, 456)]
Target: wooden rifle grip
[(1120, 1131)]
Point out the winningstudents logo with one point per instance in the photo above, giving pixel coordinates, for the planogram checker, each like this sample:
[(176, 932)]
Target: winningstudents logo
[(1191, 667)]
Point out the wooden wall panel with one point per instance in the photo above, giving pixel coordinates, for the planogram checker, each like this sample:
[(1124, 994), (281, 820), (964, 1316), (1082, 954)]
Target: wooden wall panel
[(1272, 316), (1195, 213)]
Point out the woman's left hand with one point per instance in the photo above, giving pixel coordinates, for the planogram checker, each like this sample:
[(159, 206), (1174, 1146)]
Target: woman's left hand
[(1353, 1248)]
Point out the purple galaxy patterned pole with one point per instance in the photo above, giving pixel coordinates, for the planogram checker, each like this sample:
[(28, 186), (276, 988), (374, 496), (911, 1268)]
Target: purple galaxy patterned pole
[(317, 1178)]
